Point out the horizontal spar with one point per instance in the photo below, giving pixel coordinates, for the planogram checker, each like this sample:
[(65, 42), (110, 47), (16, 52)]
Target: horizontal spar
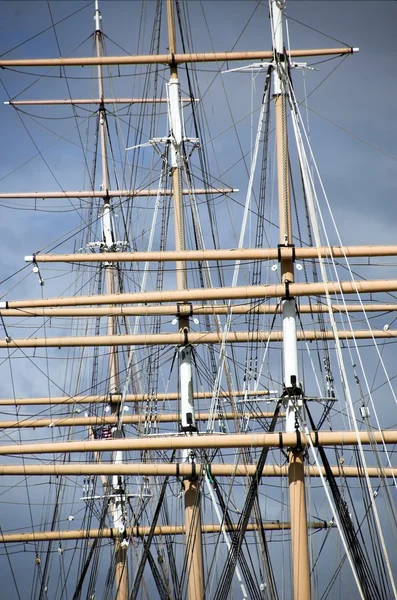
[(226, 254), (247, 440), (183, 338), (183, 470), (162, 417), (111, 194), (187, 309), (94, 101), (114, 398), (136, 532), (147, 59), (224, 293)]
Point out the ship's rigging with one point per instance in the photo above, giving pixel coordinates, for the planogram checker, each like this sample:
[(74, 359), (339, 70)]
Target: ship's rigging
[(173, 388)]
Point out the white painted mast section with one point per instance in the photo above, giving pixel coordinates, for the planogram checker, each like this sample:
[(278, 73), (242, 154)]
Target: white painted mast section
[(188, 422), (277, 34), (107, 225), (290, 357), (97, 19), (175, 122), (117, 502)]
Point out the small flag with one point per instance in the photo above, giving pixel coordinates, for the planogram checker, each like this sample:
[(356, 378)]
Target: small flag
[(102, 433)]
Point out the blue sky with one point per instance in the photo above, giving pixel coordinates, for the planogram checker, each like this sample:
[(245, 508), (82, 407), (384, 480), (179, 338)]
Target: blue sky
[(351, 118), (358, 97)]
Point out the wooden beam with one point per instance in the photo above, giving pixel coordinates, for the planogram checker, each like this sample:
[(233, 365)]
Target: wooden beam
[(232, 254), (111, 194), (95, 101), (180, 442), (187, 309), (182, 470), (161, 417), (205, 294), (149, 59), (202, 337), (138, 532), (113, 398)]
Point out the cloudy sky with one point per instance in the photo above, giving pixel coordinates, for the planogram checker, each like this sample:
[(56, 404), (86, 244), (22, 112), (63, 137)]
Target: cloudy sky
[(351, 112)]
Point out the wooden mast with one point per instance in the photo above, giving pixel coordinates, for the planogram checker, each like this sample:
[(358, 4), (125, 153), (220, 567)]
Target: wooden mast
[(117, 502), (292, 390), (194, 550)]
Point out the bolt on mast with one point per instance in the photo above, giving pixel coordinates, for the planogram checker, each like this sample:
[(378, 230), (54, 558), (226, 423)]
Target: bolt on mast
[(292, 392), (191, 485), (117, 503)]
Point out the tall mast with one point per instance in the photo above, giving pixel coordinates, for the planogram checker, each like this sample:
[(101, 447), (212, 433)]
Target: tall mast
[(292, 392), (191, 485), (108, 245)]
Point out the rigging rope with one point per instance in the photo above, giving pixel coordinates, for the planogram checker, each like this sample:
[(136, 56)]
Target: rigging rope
[(223, 588), (364, 572), (309, 192)]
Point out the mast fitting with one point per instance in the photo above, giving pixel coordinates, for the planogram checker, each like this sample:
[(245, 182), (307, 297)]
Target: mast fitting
[(184, 305), (287, 293), (298, 447), (286, 252), (193, 474), (293, 391), (37, 270)]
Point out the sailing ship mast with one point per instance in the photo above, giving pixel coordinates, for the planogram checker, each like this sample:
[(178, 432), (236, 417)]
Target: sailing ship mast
[(191, 485), (117, 496), (292, 390)]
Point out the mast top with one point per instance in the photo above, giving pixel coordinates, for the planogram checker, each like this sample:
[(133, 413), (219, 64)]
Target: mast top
[(97, 18)]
